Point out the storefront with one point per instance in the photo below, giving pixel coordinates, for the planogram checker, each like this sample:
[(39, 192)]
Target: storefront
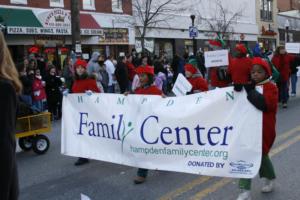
[(268, 38), (50, 31)]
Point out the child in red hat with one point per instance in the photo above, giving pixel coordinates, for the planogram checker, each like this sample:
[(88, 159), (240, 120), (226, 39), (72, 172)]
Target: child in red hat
[(83, 84), (267, 103), (199, 84), (82, 81), (239, 68), (146, 78)]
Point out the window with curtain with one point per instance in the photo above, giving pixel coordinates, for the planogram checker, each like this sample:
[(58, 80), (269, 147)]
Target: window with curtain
[(57, 3), (117, 6), (88, 4), (18, 1), (266, 10)]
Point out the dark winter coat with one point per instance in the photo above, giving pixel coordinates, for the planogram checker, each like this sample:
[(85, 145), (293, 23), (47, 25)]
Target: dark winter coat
[(121, 74), (27, 84), (8, 167), (53, 84)]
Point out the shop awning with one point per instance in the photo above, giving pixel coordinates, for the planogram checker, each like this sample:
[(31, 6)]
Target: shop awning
[(87, 21), (89, 26), (18, 18)]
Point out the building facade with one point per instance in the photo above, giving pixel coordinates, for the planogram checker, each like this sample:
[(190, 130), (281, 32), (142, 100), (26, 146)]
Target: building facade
[(47, 25), (289, 21), (266, 16), (173, 36)]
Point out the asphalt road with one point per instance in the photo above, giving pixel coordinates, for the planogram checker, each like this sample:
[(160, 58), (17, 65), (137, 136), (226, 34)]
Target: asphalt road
[(54, 177)]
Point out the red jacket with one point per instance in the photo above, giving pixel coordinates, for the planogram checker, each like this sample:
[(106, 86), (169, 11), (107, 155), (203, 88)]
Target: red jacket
[(152, 90), (215, 82), (82, 85), (199, 84), (38, 90), (239, 69), (131, 70), (282, 64), (270, 93)]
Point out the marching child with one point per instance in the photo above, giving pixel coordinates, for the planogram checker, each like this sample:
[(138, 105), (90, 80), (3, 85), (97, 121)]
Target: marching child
[(146, 77), (199, 84), (267, 103), (83, 84)]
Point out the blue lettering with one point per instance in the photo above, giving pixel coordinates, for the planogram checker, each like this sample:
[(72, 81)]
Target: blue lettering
[(163, 132), (225, 134), (213, 131), (82, 123), (142, 130)]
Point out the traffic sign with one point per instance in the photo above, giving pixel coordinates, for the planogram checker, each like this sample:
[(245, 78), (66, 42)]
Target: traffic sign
[(193, 32)]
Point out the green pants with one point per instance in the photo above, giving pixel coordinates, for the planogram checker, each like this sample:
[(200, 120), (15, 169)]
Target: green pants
[(266, 170)]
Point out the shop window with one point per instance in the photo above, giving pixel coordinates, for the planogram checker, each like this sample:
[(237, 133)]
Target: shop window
[(266, 10), (88, 4), (117, 6), (18, 1), (57, 3)]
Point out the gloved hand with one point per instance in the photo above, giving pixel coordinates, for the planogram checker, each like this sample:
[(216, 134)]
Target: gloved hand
[(65, 92), (237, 87), (249, 87), (88, 92)]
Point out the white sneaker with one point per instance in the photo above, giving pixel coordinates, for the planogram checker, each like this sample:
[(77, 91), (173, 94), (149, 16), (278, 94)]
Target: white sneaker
[(244, 195), (293, 95), (268, 185)]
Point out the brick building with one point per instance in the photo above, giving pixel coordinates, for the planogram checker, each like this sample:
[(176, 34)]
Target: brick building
[(105, 26), (286, 5)]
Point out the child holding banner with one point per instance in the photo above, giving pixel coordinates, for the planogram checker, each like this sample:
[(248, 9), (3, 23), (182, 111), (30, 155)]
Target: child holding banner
[(267, 103), (146, 77), (199, 84), (83, 84)]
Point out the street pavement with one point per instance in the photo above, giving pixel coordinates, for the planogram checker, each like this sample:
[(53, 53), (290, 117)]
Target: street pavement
[(54, 177)]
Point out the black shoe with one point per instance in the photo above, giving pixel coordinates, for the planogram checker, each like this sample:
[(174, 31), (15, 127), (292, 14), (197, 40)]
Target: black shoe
[(284, 105), (139, 180), (81, 161)]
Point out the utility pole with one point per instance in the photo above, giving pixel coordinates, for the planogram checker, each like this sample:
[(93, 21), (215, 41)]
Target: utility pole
[(194, 39), (75, 26)]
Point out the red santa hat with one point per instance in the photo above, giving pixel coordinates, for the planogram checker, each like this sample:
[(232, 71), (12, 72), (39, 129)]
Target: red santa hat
[(215, 43), (263, 63), (145, 70), (33, 49), (81, 63), (241, 48), (190, 68)]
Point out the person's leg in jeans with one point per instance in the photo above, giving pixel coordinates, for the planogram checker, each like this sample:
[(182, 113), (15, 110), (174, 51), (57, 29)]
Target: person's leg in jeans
[(111, 89), (294, 80)]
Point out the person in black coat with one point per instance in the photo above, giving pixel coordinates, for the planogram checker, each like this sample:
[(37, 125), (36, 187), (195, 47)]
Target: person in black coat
[(54, 95), (121, 74), (10, 86)]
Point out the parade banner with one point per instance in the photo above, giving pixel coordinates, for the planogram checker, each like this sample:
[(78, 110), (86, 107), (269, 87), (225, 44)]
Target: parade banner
[(216, 133)]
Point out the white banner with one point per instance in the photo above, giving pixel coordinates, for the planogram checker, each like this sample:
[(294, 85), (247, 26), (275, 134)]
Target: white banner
[(217, 133), (216, 58), (292, 47), (149, 45)]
